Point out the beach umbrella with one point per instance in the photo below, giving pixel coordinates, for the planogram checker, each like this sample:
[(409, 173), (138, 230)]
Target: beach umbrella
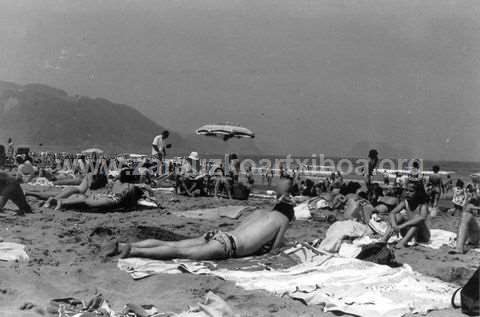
[(92, 150), (226, 131)]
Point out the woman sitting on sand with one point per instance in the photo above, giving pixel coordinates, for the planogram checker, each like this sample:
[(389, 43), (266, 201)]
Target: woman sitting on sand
[(123, 196), (10, 190), (410, 215), (263, 227), (468, 229), (89, 182)]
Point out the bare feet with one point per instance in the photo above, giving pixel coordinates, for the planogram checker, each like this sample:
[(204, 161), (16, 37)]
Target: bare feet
[(111, 249), (124, 250), (48, 203), (59, 204)]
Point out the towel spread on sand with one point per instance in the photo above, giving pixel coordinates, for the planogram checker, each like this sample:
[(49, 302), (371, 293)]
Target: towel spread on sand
[(10, 251), (232, 212), (340, 284)]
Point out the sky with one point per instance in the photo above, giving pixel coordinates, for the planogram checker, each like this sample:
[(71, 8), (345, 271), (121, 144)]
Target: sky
[(307, 76)]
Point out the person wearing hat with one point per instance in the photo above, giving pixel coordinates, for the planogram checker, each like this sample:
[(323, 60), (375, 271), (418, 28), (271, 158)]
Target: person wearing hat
[(189, 179)]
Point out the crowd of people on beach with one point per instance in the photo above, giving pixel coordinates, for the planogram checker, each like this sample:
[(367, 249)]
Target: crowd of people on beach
[(94, 182)]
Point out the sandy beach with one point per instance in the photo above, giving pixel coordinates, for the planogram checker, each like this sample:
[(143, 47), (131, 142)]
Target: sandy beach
[(64, 249)]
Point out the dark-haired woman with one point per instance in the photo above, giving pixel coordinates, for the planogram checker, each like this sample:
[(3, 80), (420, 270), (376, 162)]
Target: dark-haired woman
[(410, 215)]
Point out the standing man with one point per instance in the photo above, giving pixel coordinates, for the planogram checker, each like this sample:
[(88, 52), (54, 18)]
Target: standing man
[(159, 148), (10, 149)]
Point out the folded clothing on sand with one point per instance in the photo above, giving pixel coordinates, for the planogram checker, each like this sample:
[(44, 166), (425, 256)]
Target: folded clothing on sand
[(212, 306), (341, 230), (10, 251)]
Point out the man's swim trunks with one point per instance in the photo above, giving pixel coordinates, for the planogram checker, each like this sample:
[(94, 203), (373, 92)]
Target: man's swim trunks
[(227, 241)]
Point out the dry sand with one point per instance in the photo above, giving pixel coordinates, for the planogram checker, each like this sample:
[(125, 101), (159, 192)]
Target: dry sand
[(64, 261)]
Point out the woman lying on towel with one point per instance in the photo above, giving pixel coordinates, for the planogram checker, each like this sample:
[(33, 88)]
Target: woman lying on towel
[(410, 215), (89, 182), (124, 196), (10, 190), (262, 228)]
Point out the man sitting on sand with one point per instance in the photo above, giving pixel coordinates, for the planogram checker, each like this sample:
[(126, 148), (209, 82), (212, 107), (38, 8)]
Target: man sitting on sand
[(264, 227), (10, 190), (190, 180), (410, 215)]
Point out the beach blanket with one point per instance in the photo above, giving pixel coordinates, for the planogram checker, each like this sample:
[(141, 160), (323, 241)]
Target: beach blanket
[(338, 284), (41, 181), (439, 238), (232, 212), (10, 251)]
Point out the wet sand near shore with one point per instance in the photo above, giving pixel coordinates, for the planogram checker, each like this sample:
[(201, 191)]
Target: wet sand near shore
[(64, 261)]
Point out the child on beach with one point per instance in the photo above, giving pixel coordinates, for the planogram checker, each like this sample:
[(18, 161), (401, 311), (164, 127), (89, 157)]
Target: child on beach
[(263, 228), (410, 215)]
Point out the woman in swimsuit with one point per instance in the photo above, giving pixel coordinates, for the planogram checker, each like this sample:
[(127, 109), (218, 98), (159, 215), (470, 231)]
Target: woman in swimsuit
[(410, 215)]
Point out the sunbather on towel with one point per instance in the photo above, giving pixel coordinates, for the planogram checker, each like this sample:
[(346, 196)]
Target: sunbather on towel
[(123, 196), (409, 216), (262, 228), (10, 190), (89, 182)]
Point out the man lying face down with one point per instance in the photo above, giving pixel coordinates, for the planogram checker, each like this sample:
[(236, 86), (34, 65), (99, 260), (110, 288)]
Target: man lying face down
[(264, 228)]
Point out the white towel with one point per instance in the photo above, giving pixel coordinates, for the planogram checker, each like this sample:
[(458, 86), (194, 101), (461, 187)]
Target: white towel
[(344, 284), (10, 251)]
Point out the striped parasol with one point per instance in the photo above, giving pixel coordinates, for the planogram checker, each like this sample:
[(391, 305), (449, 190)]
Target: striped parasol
[(226, 131)]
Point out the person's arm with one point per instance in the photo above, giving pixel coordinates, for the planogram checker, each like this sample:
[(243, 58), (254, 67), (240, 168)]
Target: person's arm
[(415, 221), (279, 238), (394, 212)]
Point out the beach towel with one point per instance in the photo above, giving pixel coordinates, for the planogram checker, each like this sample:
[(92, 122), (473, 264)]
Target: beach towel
[(348, 285), (232, 212), (439, 238), (10, 251)]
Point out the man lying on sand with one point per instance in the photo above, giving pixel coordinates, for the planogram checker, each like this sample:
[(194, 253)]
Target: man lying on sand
[(262, 228), (10, 190), (410, 215), (89, 182)]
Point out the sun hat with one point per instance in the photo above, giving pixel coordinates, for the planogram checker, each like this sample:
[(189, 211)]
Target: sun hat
[(194, 156)]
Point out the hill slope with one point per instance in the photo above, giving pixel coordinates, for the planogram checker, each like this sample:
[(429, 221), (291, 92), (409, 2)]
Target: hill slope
[(36, 114)]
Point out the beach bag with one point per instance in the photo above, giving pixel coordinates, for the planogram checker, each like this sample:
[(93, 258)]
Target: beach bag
[(469, 296), (240, 191), (379, 253)]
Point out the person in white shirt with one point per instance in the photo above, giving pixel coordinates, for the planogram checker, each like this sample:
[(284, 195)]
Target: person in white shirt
[(158, 145)]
